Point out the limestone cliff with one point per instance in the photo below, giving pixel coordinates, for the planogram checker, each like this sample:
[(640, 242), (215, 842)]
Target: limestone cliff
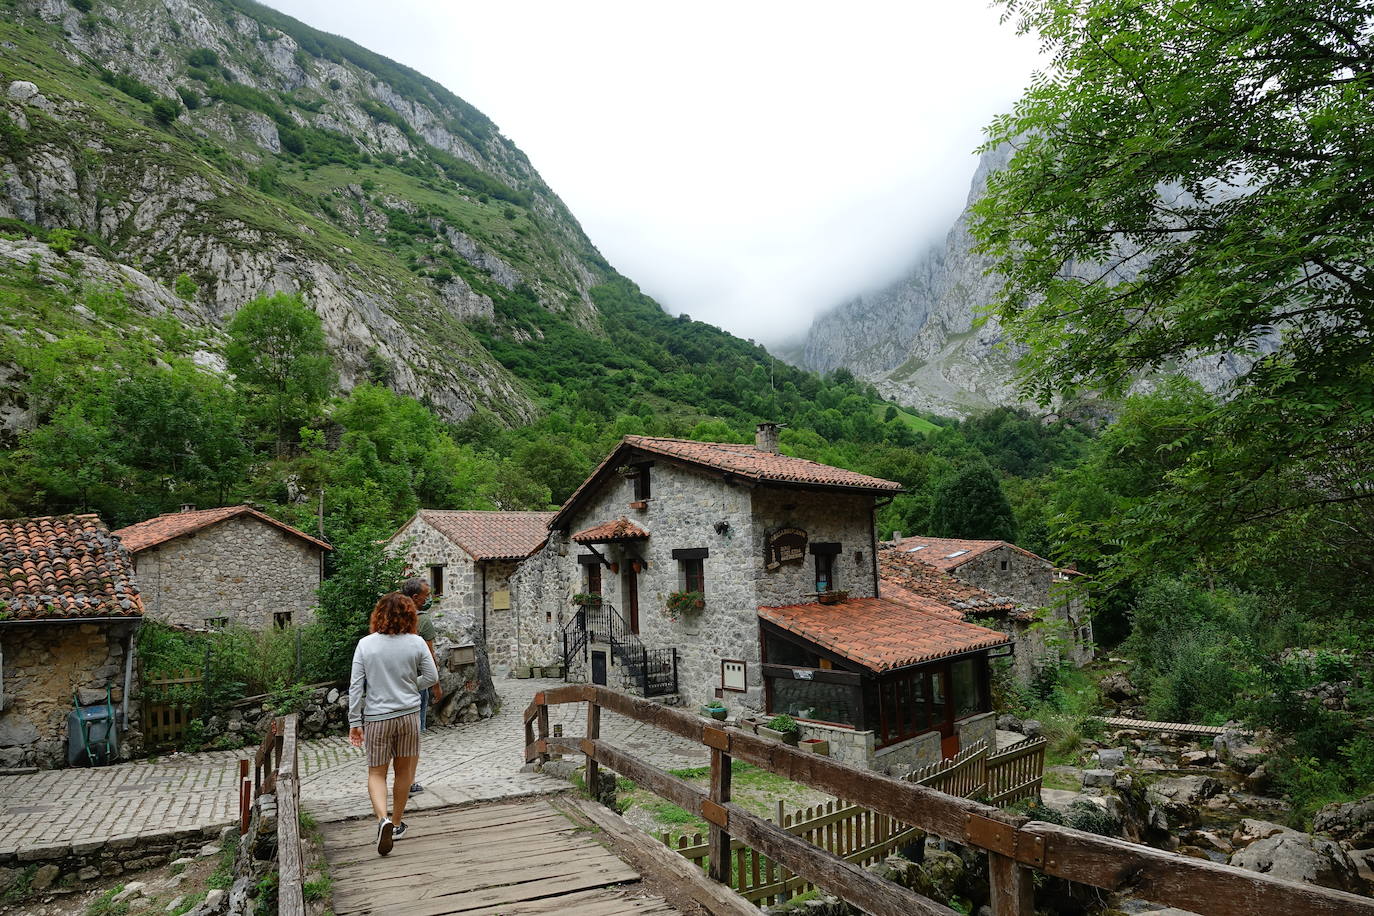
[(224, 150)]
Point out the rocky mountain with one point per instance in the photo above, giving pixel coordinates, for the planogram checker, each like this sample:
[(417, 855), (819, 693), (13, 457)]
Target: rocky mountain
[(186, 156), (926, 341)]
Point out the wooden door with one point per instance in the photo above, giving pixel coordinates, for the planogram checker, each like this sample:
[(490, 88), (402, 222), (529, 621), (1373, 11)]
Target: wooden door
[(630, 584), (942, 711)]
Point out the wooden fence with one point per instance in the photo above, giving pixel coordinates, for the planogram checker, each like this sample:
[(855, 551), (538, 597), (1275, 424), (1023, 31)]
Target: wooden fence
[(165, 722), (853, 833), (1011, 774), (1016, 846)]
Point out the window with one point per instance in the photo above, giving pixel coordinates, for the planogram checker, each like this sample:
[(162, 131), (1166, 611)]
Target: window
[(281, 619), (593, 578), (641, 482), (1004, 566), (957, 553), (966, 686), (905, 707), (693, 575), (217, 623), (436, 580), (825, 572)]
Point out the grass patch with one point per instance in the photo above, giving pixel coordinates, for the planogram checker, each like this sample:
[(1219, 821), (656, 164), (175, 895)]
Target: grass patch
[(20, 888), (319, 888), (105, 904)]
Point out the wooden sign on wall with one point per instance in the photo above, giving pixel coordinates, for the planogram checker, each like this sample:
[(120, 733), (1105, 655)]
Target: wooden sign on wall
[(786, 545)]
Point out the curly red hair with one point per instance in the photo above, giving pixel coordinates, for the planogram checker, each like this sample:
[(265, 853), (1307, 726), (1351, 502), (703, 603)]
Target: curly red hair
[(394, 613)]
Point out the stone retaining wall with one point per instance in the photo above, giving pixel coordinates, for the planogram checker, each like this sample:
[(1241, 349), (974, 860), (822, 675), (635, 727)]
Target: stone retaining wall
[(75, 864)]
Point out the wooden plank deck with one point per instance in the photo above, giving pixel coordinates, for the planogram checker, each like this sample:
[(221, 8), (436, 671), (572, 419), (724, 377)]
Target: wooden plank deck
[(1181, 728), (512, 859)]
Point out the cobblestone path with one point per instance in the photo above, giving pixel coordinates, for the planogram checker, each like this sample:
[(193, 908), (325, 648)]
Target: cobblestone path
[(464, 763)]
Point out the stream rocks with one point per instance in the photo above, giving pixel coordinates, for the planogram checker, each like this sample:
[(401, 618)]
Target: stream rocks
[(1302, 857), (1352, 822)]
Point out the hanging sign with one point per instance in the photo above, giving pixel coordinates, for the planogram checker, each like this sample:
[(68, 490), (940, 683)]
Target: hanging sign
[(786, 545)]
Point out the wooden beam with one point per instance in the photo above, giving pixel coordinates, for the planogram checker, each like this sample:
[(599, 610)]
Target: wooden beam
[(1011, 885), (593, 768), (719, 835)]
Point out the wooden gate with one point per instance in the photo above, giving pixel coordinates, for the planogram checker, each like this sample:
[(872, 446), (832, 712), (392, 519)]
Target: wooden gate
[(166, 721)]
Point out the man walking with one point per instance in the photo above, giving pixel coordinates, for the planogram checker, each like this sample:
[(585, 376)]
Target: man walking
[(417, 590)]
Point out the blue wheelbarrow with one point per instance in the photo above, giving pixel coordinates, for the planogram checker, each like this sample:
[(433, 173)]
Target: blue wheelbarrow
[(92, 738)]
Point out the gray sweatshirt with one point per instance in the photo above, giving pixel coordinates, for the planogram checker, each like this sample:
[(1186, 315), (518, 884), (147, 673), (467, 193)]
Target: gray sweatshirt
[(389, 671)]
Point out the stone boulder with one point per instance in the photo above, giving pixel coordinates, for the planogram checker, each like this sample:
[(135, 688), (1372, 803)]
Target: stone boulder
[(1237, 752), (1180, 797), (1302, 857), (940, 875), (1250, 830), (1351, 822), (1119, 689), (1111, 758)]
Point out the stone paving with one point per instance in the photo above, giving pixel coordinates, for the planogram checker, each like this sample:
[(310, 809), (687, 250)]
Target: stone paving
[(184, 792)]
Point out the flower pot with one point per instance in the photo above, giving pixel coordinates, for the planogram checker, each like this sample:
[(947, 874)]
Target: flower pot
[(816, 746), (785, 737), (834, 597), (715, 712), (639, 504)]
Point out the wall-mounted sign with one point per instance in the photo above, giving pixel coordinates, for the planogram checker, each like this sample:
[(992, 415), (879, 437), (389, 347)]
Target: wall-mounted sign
[(786, 545), (802, 674)]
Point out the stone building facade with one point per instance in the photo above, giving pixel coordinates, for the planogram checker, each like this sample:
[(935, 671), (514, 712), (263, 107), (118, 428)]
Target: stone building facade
[(1039, 590), (71, 612), (743, 529), (468, 558), (231, 565)]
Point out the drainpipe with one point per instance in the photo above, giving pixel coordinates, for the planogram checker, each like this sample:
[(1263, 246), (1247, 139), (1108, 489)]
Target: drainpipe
[(128, 672), (484, 604)]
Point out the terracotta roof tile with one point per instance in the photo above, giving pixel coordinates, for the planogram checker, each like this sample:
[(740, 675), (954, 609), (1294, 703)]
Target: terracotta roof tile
[(902, 574), (622, 529), (951, 553), (883, 634), (743, 461), (163, 528), (491, 535), (65, 566)]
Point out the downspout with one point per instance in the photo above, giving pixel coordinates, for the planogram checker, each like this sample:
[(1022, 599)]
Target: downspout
[(128, 672), (873, 538), (484, 604)]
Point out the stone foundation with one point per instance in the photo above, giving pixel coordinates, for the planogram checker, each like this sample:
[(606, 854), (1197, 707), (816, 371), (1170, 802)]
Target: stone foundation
[(42, 665)]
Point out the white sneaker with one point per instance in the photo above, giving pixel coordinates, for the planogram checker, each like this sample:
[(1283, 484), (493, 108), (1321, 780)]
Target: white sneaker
[(386, 833)]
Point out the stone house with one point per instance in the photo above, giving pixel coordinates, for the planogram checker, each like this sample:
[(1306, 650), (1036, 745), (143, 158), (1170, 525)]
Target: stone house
[(69, 611), (213, 567), (1014, 585), (468, 558), (702, 570)]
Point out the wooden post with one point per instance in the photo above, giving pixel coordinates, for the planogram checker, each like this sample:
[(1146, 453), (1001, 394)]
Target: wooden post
[(593, 768), (1012, 886), (543, 718), (245, 796), (720, 838)]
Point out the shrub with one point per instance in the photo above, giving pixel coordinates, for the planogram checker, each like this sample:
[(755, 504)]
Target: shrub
[(61, 241), (83, 6), (335, 85), (783, 723), (202, 57), (188, 97), (185, 287), (166, 110)]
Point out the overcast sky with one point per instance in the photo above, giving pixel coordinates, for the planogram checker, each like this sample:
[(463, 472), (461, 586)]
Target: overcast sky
[(750, 163)]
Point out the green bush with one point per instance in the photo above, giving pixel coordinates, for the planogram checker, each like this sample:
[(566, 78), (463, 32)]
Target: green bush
[(166, 110), (202, 57), (185, 287), (189, 98)]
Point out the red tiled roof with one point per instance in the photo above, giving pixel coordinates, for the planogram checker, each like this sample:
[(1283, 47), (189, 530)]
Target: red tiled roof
[(882, 634), (491, 535), (163, 528), (951, 553), (622, 529), (743, 461), (65, 566), (901, 574)]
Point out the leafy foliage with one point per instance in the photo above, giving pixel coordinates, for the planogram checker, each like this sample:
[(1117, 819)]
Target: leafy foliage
[(363, 572), (970, 504)]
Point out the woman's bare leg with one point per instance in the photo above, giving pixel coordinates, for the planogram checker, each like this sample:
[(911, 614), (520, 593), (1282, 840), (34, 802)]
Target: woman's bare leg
[(376, 788), (405, 775)]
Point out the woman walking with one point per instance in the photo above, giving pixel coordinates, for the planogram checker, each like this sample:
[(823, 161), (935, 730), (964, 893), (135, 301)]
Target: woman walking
[(391, 666)]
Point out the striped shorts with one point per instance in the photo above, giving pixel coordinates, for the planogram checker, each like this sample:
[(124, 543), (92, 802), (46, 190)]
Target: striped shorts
[(388, 738)]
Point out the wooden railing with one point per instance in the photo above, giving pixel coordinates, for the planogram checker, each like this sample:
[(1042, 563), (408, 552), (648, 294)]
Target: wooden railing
[(1016, 847), (276, 772)]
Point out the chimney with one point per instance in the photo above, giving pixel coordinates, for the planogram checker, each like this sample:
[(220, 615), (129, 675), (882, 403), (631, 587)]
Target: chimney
[(766, 437), (188, 507), (896, 536)]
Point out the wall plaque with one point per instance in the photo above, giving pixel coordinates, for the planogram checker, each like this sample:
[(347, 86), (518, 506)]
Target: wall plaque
[(786, 545), (732, 675)]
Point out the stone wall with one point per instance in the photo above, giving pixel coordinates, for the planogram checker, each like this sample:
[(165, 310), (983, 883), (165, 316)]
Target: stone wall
[(1027, 578), (455, 611), (838, 518), (847, 745), (242, 568), (904, 756), (541, 604), (495, 576), (42, 665), (978, 728)]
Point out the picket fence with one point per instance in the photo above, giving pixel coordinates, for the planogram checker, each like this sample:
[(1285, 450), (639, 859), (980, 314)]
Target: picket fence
[(861, 836)]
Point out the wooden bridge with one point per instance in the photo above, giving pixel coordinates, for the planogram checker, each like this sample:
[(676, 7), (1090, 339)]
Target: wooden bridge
[(571, 856)]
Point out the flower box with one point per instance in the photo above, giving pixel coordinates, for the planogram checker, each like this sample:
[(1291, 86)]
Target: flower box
[(715, 712), (785, 737), (832, 597), (816, 746), (553, 671), (640, 504)]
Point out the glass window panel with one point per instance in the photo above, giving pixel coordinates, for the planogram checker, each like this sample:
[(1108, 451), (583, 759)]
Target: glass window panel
[(964, 678), (838, 703), (921, 701), (785, 652)]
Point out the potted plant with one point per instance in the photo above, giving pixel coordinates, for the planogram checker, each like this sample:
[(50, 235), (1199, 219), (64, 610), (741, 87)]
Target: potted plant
[(782, 728), (586, 599), (834, 596), (714, 709), (680, 604), (816, 746)]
